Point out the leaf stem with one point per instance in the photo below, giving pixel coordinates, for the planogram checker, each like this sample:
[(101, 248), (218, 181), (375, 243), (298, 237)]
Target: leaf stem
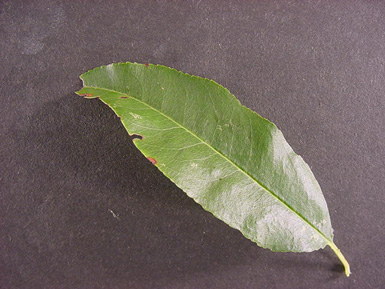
[(341, 257)]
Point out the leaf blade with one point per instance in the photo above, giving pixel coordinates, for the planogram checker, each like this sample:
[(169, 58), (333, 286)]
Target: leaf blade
[(187, 129)]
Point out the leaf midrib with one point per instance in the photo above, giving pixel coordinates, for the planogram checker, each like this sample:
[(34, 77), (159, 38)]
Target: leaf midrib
[(329, 242)]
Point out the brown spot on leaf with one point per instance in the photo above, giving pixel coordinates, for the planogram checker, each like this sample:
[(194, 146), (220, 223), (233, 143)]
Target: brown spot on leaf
[(152, 160), (146, 64), (123, 97), (86, 94)]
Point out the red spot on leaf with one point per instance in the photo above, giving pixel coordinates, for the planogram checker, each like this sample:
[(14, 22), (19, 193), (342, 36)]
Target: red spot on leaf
[(152, 160), (146, 64), (86, 94)]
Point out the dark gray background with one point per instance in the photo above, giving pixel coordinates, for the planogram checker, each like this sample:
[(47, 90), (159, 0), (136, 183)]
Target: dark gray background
[(315, 68)]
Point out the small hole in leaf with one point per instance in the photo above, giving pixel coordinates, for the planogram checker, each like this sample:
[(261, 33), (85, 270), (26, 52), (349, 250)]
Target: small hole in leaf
[(136, 136)]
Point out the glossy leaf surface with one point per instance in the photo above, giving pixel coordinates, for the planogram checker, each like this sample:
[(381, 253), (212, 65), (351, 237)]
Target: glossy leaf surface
[(229, 159)]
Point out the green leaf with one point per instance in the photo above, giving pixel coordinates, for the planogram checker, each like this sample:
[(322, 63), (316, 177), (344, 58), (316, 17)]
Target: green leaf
[(233, 162)]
